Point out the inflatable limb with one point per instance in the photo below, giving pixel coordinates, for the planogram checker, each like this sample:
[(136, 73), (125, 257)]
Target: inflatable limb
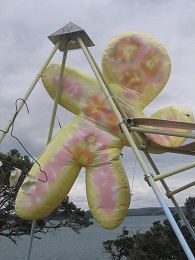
[(79, 144), (172, 113), (108, 192), (38, 199), (136, 67)]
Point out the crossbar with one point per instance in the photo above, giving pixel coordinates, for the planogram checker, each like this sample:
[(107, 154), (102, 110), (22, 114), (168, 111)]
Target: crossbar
[(181, 188), (162, 149), (178, 170), (161, 132)]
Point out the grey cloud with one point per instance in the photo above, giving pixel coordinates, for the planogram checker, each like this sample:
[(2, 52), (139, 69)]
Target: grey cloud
[(24, 48)]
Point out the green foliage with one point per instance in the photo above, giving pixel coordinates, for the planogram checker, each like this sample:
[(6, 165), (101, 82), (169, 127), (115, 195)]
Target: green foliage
[(13, 160), (190, 210), (11, 226), (119, 247), (160, 242)]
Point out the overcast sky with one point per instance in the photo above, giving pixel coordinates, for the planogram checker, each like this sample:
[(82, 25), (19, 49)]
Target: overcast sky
[(24, 46)]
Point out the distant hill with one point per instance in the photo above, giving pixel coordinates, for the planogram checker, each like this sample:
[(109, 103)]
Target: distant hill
[(151, 211)]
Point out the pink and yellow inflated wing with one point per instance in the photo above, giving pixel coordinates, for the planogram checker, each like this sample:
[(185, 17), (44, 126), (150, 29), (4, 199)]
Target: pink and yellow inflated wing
[(136, 68)]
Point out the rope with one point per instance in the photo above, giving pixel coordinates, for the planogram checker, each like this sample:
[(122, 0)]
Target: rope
[(133, 177), (12, 135)]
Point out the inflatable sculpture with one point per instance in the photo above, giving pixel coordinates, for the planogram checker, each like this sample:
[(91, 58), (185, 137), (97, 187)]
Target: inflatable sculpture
[(136, 68)]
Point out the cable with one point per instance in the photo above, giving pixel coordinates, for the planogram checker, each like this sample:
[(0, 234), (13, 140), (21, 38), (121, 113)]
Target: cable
[(133, 177), (58, 121), (12, 129)]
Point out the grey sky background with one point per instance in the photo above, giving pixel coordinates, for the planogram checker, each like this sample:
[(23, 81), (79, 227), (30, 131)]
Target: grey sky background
[(24, 46)]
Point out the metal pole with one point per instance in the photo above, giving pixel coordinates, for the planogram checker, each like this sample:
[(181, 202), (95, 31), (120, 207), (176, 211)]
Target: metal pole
[(162, 132), (31, 238), (36, 79), (169, 149), (57, 93), (51, 131), (137, 154), (182, 188), (170, 173)]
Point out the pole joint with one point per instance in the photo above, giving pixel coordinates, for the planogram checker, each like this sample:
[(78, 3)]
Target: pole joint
[(168, 194), (124, 121), (147, 176)]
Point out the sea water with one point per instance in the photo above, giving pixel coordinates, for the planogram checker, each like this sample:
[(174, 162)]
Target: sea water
[(65, 244)]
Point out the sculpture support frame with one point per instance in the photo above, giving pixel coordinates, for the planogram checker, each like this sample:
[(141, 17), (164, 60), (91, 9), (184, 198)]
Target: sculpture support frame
[(63, 37)]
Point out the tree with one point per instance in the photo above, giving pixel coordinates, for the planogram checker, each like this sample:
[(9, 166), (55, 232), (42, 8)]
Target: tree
[(11, 226), (160, 242), (119, 247), (190, 211)]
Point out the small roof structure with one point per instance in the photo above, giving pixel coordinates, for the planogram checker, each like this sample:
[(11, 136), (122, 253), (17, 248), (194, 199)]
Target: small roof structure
[(70, 32)]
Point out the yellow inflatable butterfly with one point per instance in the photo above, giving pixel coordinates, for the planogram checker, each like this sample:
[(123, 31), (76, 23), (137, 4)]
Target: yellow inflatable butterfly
[(136, 67)]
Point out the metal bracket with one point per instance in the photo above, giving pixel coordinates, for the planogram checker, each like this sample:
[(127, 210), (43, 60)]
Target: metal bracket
[(144, 146), (168, 194), (146, 176), (130, 121), (124, 122)]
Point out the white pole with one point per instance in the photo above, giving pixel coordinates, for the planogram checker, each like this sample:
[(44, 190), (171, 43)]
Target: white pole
[(31, 238), (137, 153), (57, 97)]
